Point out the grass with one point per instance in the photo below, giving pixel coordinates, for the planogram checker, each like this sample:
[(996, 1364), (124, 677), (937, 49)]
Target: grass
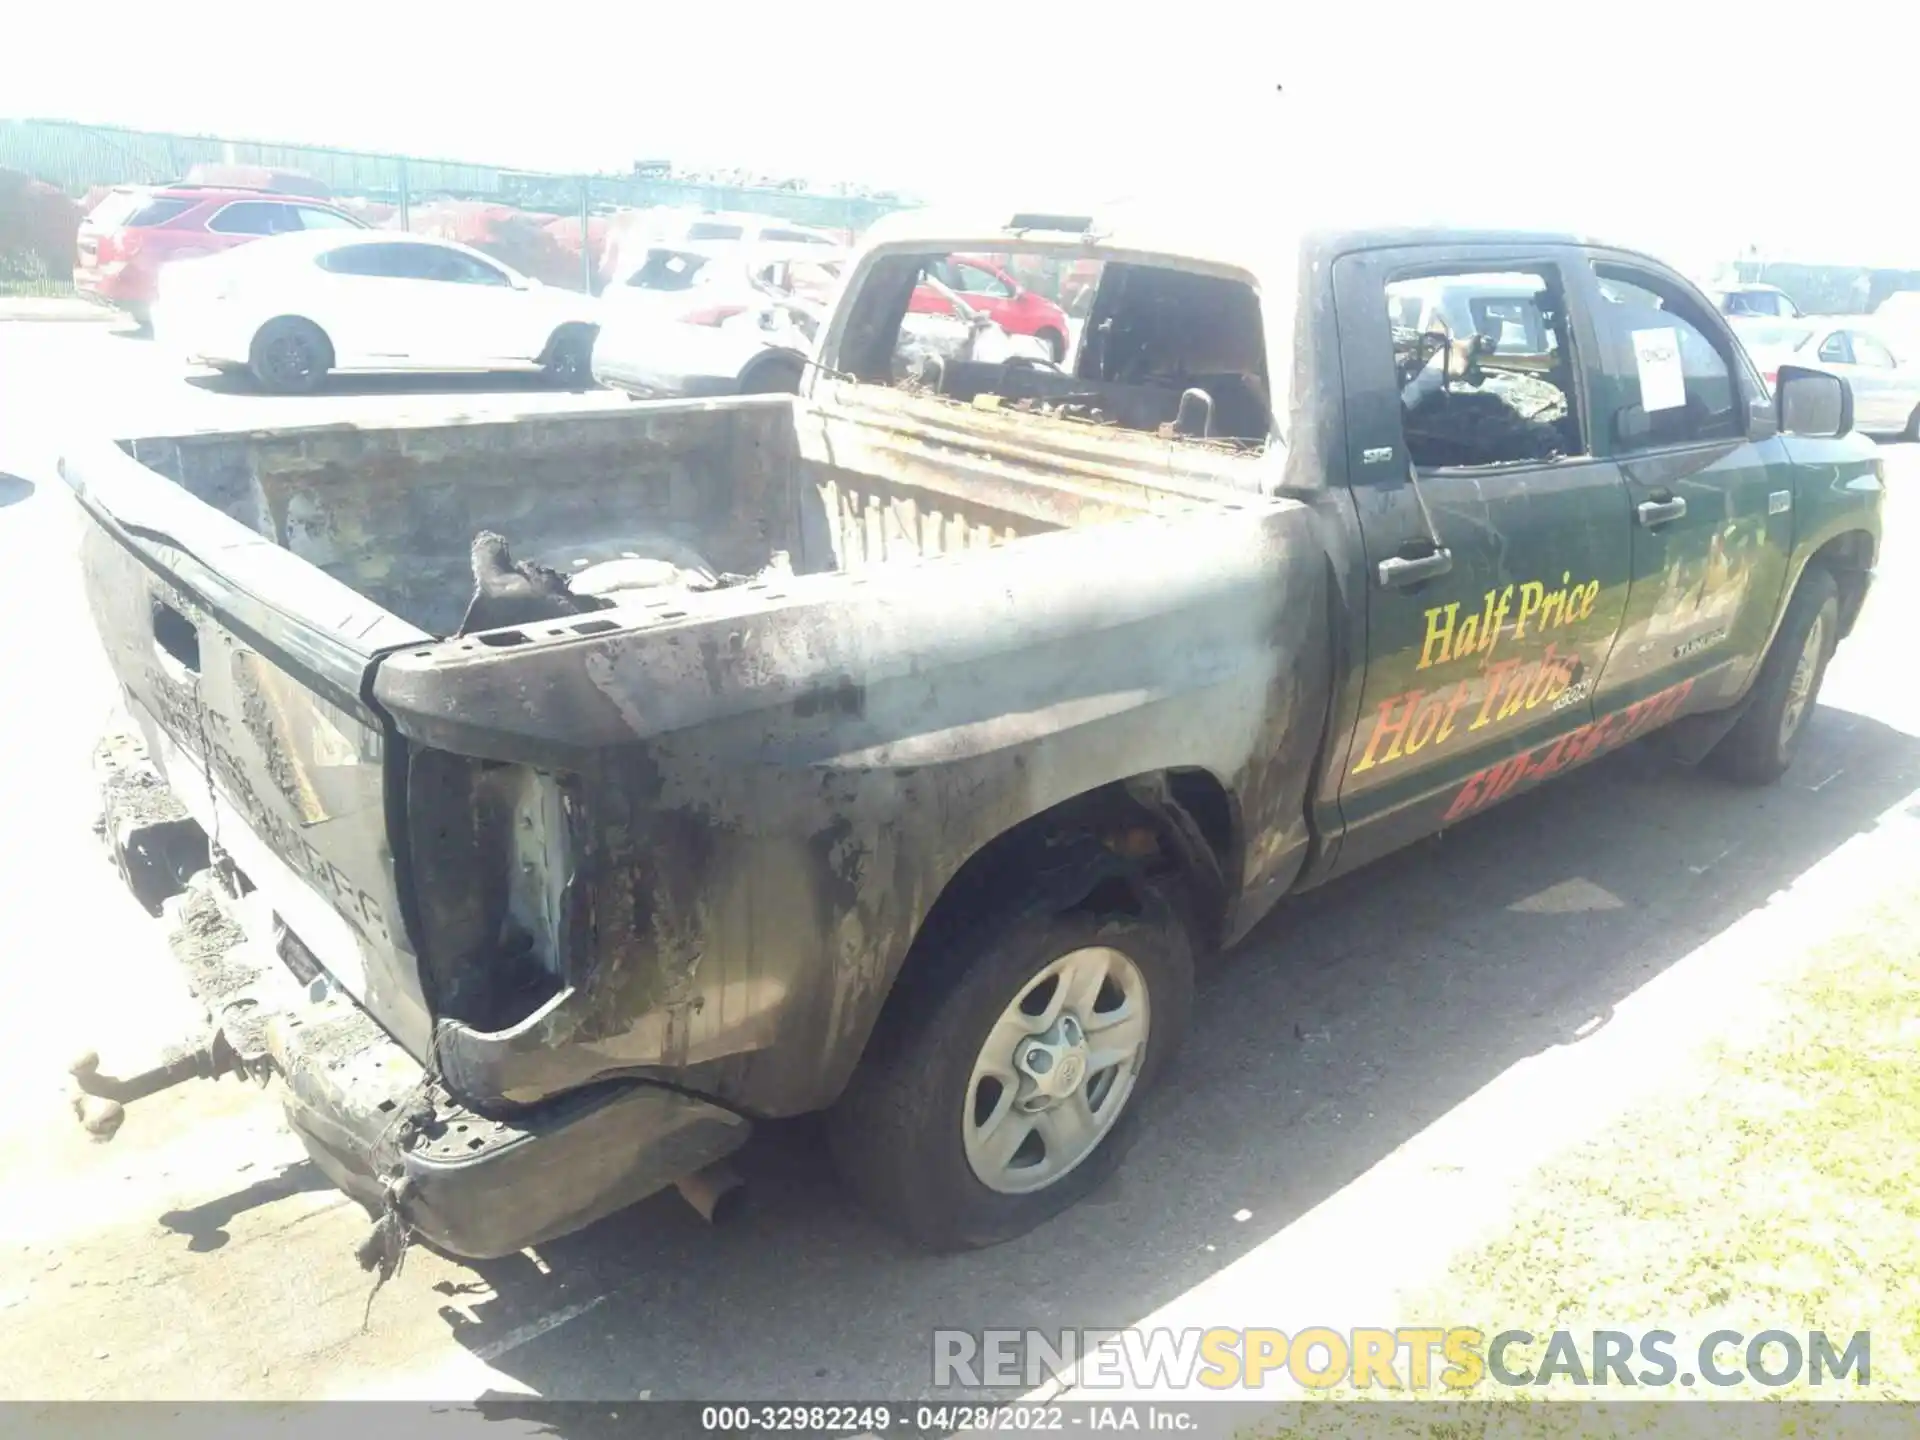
[(1784, 1195), (25, 273)]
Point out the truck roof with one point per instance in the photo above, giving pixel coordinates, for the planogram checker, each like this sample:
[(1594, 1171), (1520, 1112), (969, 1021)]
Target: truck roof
[(1251, 242)]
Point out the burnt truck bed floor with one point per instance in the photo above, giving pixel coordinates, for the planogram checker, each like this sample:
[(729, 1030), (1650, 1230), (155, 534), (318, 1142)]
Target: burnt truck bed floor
[(693, 492)]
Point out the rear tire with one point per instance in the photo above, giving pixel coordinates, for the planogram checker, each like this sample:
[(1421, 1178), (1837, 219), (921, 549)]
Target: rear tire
[(772, 375), (1762, 744), (568, 362), (1913, 424), (909, 1136), (142, 316), (290, 356), (1055, 342)]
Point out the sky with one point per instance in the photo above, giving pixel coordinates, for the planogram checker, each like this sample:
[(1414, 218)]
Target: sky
[(1693, 129)]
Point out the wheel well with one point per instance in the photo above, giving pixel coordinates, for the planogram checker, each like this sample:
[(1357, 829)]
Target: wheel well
[(772, 360), (266, 325), (1849, 559), (1172, 828), (561, 332)]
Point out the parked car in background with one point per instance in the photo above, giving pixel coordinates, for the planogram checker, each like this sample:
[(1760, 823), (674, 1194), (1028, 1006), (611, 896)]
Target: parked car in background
[(1897, 319), (134, 230), (703, 230), (988, 288), (1886, 389), (1752, 299), (292, 309), (720, 320)]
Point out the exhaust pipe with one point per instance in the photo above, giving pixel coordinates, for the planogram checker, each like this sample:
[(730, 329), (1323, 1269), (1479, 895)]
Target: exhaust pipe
[(715, 1192)]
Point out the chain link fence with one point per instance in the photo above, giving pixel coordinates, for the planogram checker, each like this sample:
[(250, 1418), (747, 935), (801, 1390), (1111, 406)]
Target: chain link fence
[(571, 230)]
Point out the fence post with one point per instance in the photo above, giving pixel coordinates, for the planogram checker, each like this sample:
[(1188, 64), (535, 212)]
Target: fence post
[(586, 235)]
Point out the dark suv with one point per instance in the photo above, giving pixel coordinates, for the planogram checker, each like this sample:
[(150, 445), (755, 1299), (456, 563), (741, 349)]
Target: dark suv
[(134, 230)]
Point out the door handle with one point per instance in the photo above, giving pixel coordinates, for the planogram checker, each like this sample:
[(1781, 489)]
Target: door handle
[(1660, 512), (1398, 572)]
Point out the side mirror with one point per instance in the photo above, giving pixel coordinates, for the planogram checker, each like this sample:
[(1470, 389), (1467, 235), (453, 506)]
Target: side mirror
[(1812, 402), (521, 282)]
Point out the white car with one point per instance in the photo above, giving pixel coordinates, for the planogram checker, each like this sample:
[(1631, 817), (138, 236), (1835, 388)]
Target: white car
[(715, 320), (291, 309), (1886, 387)]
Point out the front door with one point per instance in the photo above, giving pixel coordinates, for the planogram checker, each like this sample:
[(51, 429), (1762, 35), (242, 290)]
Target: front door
[(1496, 540), (1709, 489)]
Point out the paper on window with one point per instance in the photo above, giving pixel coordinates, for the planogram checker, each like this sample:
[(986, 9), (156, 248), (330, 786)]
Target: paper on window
[(1663, 384)]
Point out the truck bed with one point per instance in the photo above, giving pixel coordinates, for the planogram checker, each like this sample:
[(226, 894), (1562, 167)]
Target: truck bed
[(391, 513), (689, 837)]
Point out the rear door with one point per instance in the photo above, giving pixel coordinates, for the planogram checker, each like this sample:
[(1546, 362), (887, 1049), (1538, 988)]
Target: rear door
[(1691, 426), (1496, 539)]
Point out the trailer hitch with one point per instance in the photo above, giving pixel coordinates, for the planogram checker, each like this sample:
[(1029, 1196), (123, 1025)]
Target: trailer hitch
[(100, 1101)]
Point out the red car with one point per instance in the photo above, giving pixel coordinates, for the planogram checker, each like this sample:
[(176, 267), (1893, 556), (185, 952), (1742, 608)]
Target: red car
[(133, 231), (985, 286)]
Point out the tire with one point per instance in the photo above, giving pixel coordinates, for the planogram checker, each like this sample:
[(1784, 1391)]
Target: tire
[(1762, 744), (899, 1135), (775, 375), (290, 356), (1056, 343), (1913, 424), (142, 316), (568, 362)]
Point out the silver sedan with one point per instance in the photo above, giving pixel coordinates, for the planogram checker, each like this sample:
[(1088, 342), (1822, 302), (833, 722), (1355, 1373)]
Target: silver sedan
[(1886, 385)]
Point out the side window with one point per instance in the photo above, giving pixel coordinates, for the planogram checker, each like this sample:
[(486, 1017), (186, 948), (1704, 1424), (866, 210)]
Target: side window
[(312, 217), (385, 262), (1836, 349), (1871, 353), (247, 217), (712, 230), (1485, 375), (461, 269), (1675, 384), (975, 281)]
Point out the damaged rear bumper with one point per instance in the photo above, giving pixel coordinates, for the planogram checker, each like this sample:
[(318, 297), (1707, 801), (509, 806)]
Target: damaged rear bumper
[(476, 1187), (372, 1118)]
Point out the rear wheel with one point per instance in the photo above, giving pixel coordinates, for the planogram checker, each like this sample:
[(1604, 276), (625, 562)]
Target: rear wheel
[(1913, 424), (290, 356), (1760, 747), (1055, 342), (771, 375), (142, 315), (569, 358), (990, 1103)]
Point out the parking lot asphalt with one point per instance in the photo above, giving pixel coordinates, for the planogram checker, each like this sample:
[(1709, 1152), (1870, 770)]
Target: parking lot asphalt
[(200, 1255)]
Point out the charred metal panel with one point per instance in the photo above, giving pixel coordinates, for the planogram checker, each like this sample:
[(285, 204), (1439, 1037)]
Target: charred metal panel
[(765, 835), (392, 512), (286, 781)]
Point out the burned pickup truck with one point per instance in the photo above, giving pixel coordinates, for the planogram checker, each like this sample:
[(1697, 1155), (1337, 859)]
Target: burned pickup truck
[(564, 793)]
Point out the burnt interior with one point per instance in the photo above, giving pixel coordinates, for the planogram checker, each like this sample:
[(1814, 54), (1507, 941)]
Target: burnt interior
[(1164, 350)]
